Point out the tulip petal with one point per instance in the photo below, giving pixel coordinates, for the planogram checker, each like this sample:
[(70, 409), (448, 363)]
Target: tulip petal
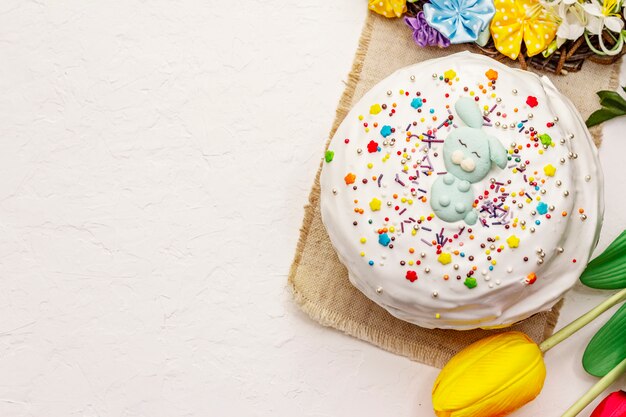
[(491, 377), (613, 405)]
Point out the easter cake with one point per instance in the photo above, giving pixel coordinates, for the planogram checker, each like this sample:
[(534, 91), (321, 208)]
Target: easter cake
[(460, 193)]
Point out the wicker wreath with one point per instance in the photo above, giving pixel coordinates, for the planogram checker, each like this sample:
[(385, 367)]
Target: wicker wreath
[(570, 57)]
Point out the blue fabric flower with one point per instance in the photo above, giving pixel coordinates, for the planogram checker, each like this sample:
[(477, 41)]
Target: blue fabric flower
[(459, 20)]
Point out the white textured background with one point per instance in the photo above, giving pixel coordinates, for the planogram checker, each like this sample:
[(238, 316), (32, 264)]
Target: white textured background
[(155, 159)]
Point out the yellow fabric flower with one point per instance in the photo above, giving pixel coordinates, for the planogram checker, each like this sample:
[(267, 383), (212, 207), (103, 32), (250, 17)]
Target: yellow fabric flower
[(491, 377), (522, 19), (388, 8)]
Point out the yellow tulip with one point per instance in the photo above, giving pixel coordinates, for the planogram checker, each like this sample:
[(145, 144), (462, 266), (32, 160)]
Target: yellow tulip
[(490, 378)]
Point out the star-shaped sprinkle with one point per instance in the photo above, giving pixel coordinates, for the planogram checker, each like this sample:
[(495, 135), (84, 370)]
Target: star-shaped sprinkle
[(417, 102), (450, 74), (549, 170), (512, 241), (350, 178), (470, 282), (445, 258), (385, 131), (375, 204), (492, 75), (532, 101), (542, 208), (411, 276), (384, 239), (545, 139), (329, 155), (375, 109), (372, 146)]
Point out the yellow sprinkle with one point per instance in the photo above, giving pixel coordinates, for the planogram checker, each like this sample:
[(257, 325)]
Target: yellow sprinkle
[(362, 253), (375, 109), (513, 241), (363, 240), (370, 165), (445, 258), (549, 170), (450, 74)]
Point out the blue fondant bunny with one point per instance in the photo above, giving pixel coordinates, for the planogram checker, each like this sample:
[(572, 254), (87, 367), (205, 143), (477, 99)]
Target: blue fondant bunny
[(467, 153)]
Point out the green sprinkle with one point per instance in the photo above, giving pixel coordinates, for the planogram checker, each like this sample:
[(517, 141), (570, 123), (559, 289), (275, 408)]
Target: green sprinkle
[(329, 156), (545, 139), (470, 282)]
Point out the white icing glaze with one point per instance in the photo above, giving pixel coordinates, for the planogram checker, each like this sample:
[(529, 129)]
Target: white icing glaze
[(502, 296)]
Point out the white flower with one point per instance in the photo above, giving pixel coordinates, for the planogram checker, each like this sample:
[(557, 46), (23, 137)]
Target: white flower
[(601, 15), (573, 21)]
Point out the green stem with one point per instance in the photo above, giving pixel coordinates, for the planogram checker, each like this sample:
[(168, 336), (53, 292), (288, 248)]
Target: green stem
[(582, 321), (596, 390)]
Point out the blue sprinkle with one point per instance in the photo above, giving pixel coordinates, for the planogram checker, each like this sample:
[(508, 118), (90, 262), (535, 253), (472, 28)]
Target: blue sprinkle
[(536, 188), (462, 254), (416, 103), (542, 208), (432, 111), (385, 131), (379, 149), (537, 222), (520, 124), (491, 267), (371, 263), (384, 239)]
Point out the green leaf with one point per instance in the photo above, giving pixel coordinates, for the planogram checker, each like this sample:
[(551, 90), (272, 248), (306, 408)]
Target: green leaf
[(608, 271), (612, 100), (608, 347), (602, 115), (613, 105)]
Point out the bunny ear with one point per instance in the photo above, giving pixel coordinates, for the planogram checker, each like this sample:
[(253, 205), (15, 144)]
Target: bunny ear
[(497, 152), (468, 111)]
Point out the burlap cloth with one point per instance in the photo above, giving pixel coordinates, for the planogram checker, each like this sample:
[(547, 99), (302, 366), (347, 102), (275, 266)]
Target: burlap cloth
[(320, 282)]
